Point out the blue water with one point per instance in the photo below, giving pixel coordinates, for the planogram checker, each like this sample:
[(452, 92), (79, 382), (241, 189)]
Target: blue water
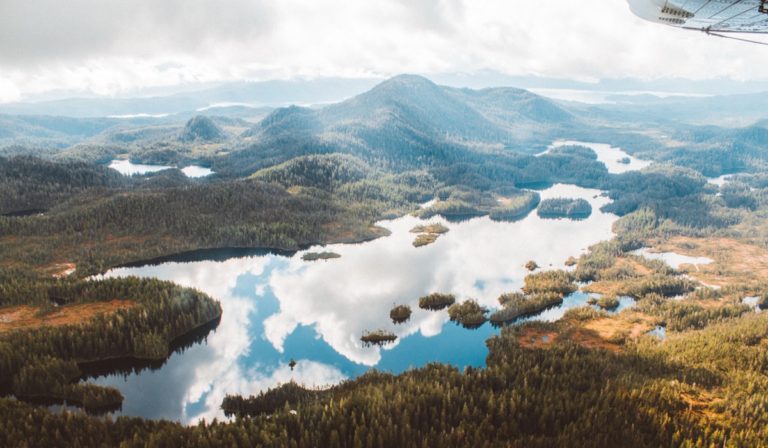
[(659, 332), (278, 307)]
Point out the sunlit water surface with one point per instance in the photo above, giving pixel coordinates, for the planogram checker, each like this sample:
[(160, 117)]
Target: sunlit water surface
[(673, 259), (615, 159), (128, 168), (278, 307)]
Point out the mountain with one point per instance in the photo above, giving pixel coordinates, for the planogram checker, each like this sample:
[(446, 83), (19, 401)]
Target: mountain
[(201, 129), (405, 121), (251, 95), (50, 126), (491, 116), (504, 105), (416, 101), (286, 122), (721, 110)]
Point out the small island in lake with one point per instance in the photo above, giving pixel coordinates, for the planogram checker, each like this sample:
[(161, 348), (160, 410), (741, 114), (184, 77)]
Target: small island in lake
[(468, 314), (564, 208), (436, 301), (428, 233), (314, 256), (517, 305), (502, 203), (400, 314), (378, 337), (574, 150), (608, 303), (541, 291)]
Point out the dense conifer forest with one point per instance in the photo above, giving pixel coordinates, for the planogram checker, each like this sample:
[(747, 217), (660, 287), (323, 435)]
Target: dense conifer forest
[(42, 361)]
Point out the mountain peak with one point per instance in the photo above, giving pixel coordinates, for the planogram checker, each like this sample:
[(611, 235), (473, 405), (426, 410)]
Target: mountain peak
[(201, 128), (408, 79), (405, 84), (286, 121), (398, 91)]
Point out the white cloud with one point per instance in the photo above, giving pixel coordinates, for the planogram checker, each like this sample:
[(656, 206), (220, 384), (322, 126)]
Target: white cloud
[(114, 47), (341, 299), (309, 374), (347, 296)]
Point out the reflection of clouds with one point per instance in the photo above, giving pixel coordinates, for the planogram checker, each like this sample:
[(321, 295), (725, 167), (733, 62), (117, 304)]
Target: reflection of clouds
[(215, 278), (208, 369), (277, 327), (477, 259), (306, 373), (342, 298), (128, 168), (231, 341), (159, 394)]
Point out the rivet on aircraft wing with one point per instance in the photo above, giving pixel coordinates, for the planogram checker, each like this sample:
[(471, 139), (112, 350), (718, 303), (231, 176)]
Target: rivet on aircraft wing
[(714, 17)]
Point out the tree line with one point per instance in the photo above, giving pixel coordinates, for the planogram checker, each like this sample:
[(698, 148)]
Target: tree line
[(43, 361)]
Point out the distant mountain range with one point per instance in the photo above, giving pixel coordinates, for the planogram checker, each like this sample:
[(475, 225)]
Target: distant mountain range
[(406, 120), (235, 95), (250, 99)]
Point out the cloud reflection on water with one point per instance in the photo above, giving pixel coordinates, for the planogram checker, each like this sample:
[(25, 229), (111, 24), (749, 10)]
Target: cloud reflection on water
[(276, 306)]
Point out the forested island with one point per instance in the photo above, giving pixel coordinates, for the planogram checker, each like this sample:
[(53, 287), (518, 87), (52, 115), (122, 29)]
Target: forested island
[(314, 256), (428, 234), (564, 208)]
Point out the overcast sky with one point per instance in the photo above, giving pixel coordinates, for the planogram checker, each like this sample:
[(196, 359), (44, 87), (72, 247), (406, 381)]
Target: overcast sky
[(116, 46)]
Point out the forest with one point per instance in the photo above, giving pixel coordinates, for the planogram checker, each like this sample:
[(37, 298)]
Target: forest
[(565, 395), (43, 362), (90, 216)]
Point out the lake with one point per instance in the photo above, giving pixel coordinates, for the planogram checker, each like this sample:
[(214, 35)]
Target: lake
[(128, 168), (278, 307), (615, 159)]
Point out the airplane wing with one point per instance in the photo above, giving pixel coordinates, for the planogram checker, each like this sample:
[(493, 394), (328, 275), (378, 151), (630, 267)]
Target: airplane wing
[(723, 16)]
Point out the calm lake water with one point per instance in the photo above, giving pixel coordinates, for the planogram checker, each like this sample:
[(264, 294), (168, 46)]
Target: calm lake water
[(673, 259), (128, 168), (280, 307), (616, 160)]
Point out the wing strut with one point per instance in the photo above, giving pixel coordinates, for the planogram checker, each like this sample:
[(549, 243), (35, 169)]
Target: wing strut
[(724, 36)]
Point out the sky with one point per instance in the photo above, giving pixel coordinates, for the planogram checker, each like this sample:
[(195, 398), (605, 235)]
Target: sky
[(115, 47)]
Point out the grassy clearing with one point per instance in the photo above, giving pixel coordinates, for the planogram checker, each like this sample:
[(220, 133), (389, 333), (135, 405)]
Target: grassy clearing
[(29, 317)]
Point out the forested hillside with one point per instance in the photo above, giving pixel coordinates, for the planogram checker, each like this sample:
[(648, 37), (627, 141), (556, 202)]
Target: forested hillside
[(310, 199), (402, 122)]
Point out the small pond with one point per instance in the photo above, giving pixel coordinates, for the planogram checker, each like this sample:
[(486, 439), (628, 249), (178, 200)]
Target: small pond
[(753, 302), (673, 259)]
